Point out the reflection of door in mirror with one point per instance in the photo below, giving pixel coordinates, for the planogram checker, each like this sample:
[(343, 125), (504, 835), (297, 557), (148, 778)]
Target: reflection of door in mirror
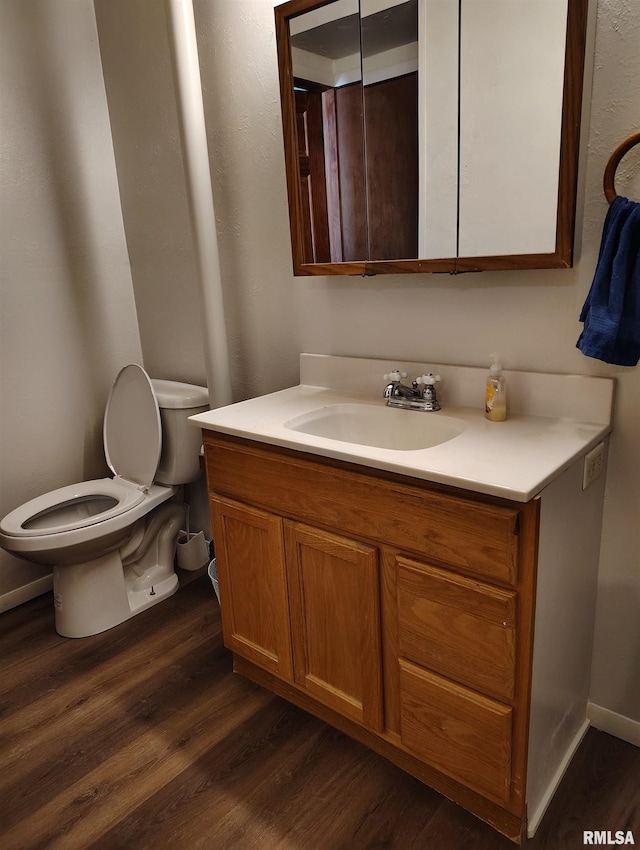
[(389, 34), (313, 192), (325, 53), (331, 169), (357, 146), (346, 187), (391, 142)]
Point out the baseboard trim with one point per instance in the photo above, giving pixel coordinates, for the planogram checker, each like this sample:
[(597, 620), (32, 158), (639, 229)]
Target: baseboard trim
[(614, 724), (13, 598), (536, 817)]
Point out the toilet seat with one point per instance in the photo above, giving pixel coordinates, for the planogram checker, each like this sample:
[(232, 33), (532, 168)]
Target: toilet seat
[(75, 506), (132, 436)]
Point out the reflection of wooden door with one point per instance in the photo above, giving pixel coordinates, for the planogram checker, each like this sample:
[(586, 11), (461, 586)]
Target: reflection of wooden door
[(378, 204), (350, 212), (348, 193), (391, 130), (313, 190)]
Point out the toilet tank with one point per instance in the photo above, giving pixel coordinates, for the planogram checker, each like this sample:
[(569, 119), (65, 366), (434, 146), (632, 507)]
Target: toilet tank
[(181, 442)]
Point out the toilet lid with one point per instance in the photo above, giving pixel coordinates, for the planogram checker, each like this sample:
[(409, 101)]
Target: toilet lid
[(132, 431)]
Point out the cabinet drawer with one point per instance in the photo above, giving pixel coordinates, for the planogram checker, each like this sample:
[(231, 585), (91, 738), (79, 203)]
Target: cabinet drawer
[(459, 627), (461, 733), (477, 536)]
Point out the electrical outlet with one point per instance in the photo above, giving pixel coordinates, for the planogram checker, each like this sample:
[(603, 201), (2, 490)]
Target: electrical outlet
[(593, 465)]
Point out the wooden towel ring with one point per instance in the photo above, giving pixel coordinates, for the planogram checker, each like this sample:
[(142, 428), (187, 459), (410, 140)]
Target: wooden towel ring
[(614, 161)]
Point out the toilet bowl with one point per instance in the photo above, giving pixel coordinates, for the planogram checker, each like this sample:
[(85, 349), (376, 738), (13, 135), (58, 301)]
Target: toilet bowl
[(111, 541)]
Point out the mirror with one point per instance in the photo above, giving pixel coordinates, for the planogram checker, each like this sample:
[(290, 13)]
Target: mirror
[(431, 135)]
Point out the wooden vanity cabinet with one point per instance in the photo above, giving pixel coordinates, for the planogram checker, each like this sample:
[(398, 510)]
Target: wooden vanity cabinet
[(397, 610)]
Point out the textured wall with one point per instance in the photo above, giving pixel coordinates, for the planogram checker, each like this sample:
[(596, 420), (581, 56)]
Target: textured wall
[(67, 314), (615, 113), (139, 84), (242, 107)]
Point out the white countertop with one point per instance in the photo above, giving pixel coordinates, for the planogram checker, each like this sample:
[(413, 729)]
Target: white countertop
[(515, 459)]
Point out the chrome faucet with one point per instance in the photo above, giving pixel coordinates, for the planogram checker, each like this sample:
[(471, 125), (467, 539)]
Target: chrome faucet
[(421, 395)]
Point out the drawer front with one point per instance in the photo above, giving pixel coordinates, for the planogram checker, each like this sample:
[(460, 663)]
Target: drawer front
[(457, 731), (476, 536), (459, 627)]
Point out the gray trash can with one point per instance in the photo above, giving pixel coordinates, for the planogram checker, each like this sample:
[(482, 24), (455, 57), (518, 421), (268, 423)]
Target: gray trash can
[(213, 575)]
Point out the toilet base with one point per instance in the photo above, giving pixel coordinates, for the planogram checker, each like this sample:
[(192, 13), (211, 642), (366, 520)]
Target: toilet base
[(84, 606), (97, 595)]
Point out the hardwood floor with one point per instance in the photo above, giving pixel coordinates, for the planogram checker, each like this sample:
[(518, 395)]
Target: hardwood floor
[(142, 737)]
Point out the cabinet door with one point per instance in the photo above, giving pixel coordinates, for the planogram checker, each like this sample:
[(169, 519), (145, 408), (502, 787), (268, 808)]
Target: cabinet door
[(335, 621), (253, 585)]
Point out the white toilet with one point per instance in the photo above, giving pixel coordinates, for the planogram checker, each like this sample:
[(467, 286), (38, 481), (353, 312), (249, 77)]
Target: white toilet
[(112, 541)]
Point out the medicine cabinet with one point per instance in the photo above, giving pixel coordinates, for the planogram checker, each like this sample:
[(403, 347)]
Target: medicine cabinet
[(431, 135)]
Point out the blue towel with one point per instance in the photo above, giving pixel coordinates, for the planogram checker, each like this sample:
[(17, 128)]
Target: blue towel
[(611, 313)]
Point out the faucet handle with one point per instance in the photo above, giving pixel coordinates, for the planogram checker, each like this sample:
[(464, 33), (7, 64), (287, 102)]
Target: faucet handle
[(395, 375), (428, 380)]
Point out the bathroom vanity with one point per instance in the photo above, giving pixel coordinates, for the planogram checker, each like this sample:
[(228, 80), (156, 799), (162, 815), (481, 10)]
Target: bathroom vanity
[(435, 603)]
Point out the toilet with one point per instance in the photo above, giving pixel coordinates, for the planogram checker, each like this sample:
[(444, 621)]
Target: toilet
[(112, 541)]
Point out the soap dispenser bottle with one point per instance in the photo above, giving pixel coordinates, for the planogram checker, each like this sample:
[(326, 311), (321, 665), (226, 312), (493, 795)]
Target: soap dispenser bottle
[(495, 396)]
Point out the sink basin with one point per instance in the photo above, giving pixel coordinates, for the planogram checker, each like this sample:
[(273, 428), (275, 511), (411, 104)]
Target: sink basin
[(378, 426)]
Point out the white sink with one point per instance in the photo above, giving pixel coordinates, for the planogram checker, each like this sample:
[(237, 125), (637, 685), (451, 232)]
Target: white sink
[(378, 426)]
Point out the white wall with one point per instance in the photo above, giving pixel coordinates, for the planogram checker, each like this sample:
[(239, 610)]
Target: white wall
[(68, 319), (615, 108), (242, 105), (138, 78)]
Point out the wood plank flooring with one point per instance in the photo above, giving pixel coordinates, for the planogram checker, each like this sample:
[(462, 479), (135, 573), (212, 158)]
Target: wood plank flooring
[(142, 737)]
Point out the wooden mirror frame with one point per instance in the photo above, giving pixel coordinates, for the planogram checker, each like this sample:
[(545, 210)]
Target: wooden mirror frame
[(562, 257)]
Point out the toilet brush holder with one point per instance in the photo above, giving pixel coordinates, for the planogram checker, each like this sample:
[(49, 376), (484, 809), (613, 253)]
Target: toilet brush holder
[(192, 550)]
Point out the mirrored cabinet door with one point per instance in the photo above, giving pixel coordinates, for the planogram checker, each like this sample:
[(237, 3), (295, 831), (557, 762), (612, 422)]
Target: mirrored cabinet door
[(510, 113), (431, 135)]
